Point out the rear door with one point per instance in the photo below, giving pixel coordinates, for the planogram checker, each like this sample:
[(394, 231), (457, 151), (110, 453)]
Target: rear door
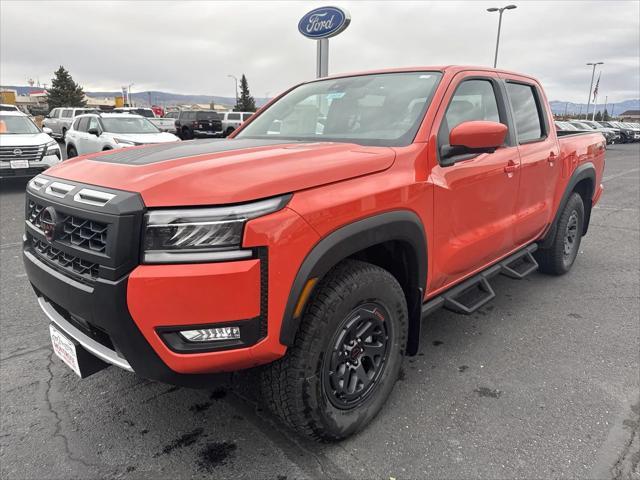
[(474, 199), (539, 156)]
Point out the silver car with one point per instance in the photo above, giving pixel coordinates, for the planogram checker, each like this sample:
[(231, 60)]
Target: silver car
[(59, 120)]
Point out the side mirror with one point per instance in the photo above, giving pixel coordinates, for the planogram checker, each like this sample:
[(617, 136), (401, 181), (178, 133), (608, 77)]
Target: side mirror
[(94, 131), (472, 138), (47, 130)]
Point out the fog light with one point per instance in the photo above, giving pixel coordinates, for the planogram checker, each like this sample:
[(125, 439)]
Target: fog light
[(211, 334)]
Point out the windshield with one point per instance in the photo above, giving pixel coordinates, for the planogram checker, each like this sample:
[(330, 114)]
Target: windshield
[(382, 109), (128, 124), (10, 124)]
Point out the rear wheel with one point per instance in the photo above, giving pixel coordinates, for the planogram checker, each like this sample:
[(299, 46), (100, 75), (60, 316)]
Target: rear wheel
[(346, 356), (560, 256), (186, 134), (71, 152), (229, 131)]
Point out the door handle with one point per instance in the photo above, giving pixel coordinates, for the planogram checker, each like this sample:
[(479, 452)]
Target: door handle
[(552, 157), (511, 167)]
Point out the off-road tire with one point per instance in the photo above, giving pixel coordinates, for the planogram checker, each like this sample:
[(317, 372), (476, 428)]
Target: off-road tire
[(295, 387), (555, 260)]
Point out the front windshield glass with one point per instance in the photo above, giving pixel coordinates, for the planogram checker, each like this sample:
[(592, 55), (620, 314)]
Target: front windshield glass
[(10, 124), (128, 124), (382, 109)]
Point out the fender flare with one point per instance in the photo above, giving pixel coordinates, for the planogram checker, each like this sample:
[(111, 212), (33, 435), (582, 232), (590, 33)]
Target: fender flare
[(585, 171), (398, 225)]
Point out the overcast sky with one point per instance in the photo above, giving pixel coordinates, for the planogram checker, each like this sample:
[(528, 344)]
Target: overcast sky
[(191, 47)]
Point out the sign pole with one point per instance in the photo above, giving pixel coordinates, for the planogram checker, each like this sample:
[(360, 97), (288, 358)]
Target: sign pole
[(322, 60)]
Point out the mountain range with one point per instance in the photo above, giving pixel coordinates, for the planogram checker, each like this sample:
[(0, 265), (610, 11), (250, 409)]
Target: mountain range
[(167, 98)]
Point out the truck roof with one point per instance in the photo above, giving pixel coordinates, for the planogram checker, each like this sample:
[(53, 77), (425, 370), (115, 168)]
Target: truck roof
[(420, 68)]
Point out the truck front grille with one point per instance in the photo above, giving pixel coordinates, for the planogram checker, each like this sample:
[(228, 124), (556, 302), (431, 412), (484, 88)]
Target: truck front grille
[(70, 264), (76, 231)]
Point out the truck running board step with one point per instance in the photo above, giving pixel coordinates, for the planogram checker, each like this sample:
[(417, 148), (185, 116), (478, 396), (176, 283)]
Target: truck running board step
[(519, 267), (469, 296), (473, 293)]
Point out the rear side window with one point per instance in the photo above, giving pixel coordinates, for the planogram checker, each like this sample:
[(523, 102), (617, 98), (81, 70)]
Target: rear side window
[(526, 111), (246, 116), (473, 100), (233, 116)]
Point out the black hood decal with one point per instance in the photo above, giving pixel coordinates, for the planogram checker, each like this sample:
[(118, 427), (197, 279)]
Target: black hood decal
[(171, 151)]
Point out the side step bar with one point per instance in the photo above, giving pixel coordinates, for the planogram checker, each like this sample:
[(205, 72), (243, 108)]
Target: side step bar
[(475, 292)]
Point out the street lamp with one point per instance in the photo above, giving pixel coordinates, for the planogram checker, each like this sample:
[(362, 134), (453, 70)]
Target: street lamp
[(593, 73), (236, 80), (501, 10)]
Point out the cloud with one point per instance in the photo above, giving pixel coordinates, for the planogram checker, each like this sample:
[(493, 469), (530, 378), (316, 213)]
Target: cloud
[(191, 47)]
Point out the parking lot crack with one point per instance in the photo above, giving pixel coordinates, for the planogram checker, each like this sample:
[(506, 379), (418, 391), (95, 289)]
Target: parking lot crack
[(58, 420)]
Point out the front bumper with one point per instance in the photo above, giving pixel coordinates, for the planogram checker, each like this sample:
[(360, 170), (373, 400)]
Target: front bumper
[(135, 311), (35, 167)]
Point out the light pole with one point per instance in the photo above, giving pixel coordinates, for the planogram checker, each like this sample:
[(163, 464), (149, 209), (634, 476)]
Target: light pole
[(129, 94), (236, 80), (501, 10), (593, 74)]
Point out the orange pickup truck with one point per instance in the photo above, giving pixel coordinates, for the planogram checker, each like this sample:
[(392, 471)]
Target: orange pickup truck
[(314, 240)]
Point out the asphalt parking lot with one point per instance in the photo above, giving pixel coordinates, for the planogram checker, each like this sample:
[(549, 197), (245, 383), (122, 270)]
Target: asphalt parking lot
[(542, 382)]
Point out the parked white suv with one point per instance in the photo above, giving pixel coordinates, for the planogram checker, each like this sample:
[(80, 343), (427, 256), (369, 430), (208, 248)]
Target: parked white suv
[(25, 150), (59, 120), (232, 120), (96, 132)]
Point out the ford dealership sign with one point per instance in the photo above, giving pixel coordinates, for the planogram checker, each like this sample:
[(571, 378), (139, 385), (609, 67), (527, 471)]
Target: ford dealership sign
[(324, 22)]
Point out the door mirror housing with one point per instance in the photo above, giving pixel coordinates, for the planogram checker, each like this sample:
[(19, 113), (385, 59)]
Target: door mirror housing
[(94, 131), (47, 130), (472, 138)]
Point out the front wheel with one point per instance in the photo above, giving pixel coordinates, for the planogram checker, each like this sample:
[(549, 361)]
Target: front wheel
[(560, 256), (72, 152), (346, 355)]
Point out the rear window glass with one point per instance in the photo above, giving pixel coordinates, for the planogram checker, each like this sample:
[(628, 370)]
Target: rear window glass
[(207, 116), (526, 112)]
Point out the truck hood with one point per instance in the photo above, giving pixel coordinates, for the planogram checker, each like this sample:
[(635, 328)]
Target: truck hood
[(24, 139), (214, 172)]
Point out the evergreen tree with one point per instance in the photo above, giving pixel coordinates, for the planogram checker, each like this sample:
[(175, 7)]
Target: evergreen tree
[(64, 92), (598, 116), (606, 116), (246, 103)]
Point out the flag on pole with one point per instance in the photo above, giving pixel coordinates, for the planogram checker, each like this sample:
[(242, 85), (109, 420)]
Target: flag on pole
[(595, 90)]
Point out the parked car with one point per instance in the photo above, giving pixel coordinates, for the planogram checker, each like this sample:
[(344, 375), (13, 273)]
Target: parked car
[(565, 126), (6, 107), (25, 150), (314, 253), (163, 124), (634, 129), (232, 120), (584, 126), (198, 124), (613, 134), (59, 120), (107, 131)]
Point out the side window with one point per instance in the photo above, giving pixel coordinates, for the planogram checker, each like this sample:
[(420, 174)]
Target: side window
[(233, 116), (246, 116), (93, 123), (54, 113), (526, 111), (473, 100), (66, 113), (82, 124)]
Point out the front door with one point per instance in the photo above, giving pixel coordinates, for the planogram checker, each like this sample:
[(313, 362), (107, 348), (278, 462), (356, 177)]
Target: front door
[(474, 199)]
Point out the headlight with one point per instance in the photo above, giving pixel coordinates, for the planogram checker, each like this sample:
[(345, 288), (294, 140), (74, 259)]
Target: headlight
[(202, 234), (52, 149)]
